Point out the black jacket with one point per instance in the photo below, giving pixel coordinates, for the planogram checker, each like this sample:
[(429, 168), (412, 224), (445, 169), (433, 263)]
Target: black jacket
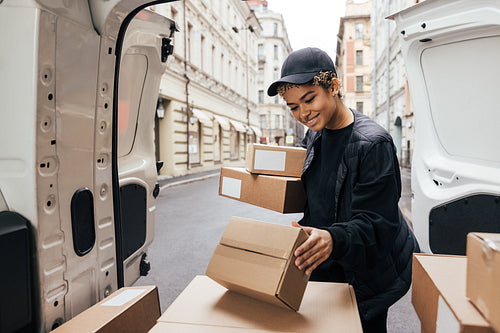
[(372, 242)]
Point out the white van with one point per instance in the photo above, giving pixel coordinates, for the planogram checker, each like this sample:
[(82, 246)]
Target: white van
[(452, 52), (79, 85)]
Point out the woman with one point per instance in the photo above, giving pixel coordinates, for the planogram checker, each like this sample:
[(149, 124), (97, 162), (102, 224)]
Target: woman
[(353, 185)]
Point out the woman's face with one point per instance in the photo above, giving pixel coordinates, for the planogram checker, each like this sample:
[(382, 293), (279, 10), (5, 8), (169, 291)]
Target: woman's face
[(314, 106)]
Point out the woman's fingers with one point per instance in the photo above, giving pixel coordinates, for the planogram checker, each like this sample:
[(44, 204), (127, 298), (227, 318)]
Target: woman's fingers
[(316, 249)]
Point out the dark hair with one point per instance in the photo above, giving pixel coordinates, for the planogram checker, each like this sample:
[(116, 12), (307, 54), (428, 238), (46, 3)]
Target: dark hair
[(322, 79)]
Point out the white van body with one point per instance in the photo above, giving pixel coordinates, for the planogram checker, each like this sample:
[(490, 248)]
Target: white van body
[(79, 84), (452, 52)]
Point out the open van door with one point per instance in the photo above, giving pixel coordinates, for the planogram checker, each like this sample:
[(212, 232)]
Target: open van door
[(143, 56), (452, 52), (78, 89)]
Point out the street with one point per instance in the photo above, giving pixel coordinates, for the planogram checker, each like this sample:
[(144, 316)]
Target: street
[(190, 219)]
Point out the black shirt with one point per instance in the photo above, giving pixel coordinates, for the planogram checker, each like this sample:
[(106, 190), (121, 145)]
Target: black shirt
[(319, 183)]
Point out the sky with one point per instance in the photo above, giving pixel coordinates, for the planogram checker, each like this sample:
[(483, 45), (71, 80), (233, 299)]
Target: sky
[(311, 22)]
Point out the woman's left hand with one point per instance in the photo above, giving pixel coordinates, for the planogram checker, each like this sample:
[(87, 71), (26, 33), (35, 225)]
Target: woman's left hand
[(316, 249)]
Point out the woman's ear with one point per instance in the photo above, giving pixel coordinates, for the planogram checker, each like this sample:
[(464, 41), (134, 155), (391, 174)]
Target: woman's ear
[(334, 87)]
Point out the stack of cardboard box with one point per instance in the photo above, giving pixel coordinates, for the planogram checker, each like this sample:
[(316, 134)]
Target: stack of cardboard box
[(459, 293), (270, 179), (256, 258)]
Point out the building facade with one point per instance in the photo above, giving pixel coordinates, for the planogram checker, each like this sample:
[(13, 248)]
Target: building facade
[(391, 98), (353, 62), (275, 120), (208, 107)]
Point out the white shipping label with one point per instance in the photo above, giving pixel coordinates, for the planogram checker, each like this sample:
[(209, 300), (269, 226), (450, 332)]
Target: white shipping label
[(269, 160), (231, 187), (446, 321), (123, 297)]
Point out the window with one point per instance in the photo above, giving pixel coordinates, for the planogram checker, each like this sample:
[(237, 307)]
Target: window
[(261, 96), (359, 106), (359, 31), (234, 141), (129, 90), (217, 135), (275, 52), (277, 121), (275, 29), (260, 50), (189, 32), (260, 76), (194, 143), (222, 67), (276, 99), (359, 83), (276, 74), (263, 121), (213, 60), (359, 57), (202, 49)]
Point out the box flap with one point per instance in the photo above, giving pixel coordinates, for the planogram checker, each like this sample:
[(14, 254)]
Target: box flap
[(249, 271), (266, 238), (294, 281)]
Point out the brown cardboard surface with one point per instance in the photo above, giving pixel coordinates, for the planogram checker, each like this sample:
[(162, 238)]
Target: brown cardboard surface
[(483, 275), (136, 314), (278, 193), (275, 160), (274, 240), (256, 259), (162, 327), (326, 307), (438, 295)]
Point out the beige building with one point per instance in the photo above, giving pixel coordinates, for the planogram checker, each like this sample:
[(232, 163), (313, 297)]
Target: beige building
[(275, 120), (353, 60), (207, 111), (391, 98)]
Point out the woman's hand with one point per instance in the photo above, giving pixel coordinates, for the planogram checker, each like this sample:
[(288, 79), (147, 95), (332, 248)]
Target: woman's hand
[(316, 249)]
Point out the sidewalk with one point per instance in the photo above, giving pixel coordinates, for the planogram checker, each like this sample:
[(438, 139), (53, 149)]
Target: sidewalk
[(167, 181)]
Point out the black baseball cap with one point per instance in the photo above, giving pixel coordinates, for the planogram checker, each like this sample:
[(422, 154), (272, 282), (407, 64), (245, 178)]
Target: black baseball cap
[(301, 66)]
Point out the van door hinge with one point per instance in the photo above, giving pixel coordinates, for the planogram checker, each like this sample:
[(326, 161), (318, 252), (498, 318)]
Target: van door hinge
[(166, 48)]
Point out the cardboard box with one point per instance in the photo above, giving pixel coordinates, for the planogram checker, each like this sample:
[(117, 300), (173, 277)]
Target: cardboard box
[(162, 327), (483, 275), (129, 309), (438, 295), (275, 160), (326, 307), (278, 193), (256, 259)]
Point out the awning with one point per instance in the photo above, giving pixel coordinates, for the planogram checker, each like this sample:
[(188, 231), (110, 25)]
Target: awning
[(238, 126), (257, 131), (223, 122), (203, 117)]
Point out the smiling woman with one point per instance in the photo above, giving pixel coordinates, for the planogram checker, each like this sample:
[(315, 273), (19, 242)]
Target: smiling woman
[(352, 183)]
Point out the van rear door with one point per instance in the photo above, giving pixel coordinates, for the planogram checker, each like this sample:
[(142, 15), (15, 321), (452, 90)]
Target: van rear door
[(451, 50), (142, 62)]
